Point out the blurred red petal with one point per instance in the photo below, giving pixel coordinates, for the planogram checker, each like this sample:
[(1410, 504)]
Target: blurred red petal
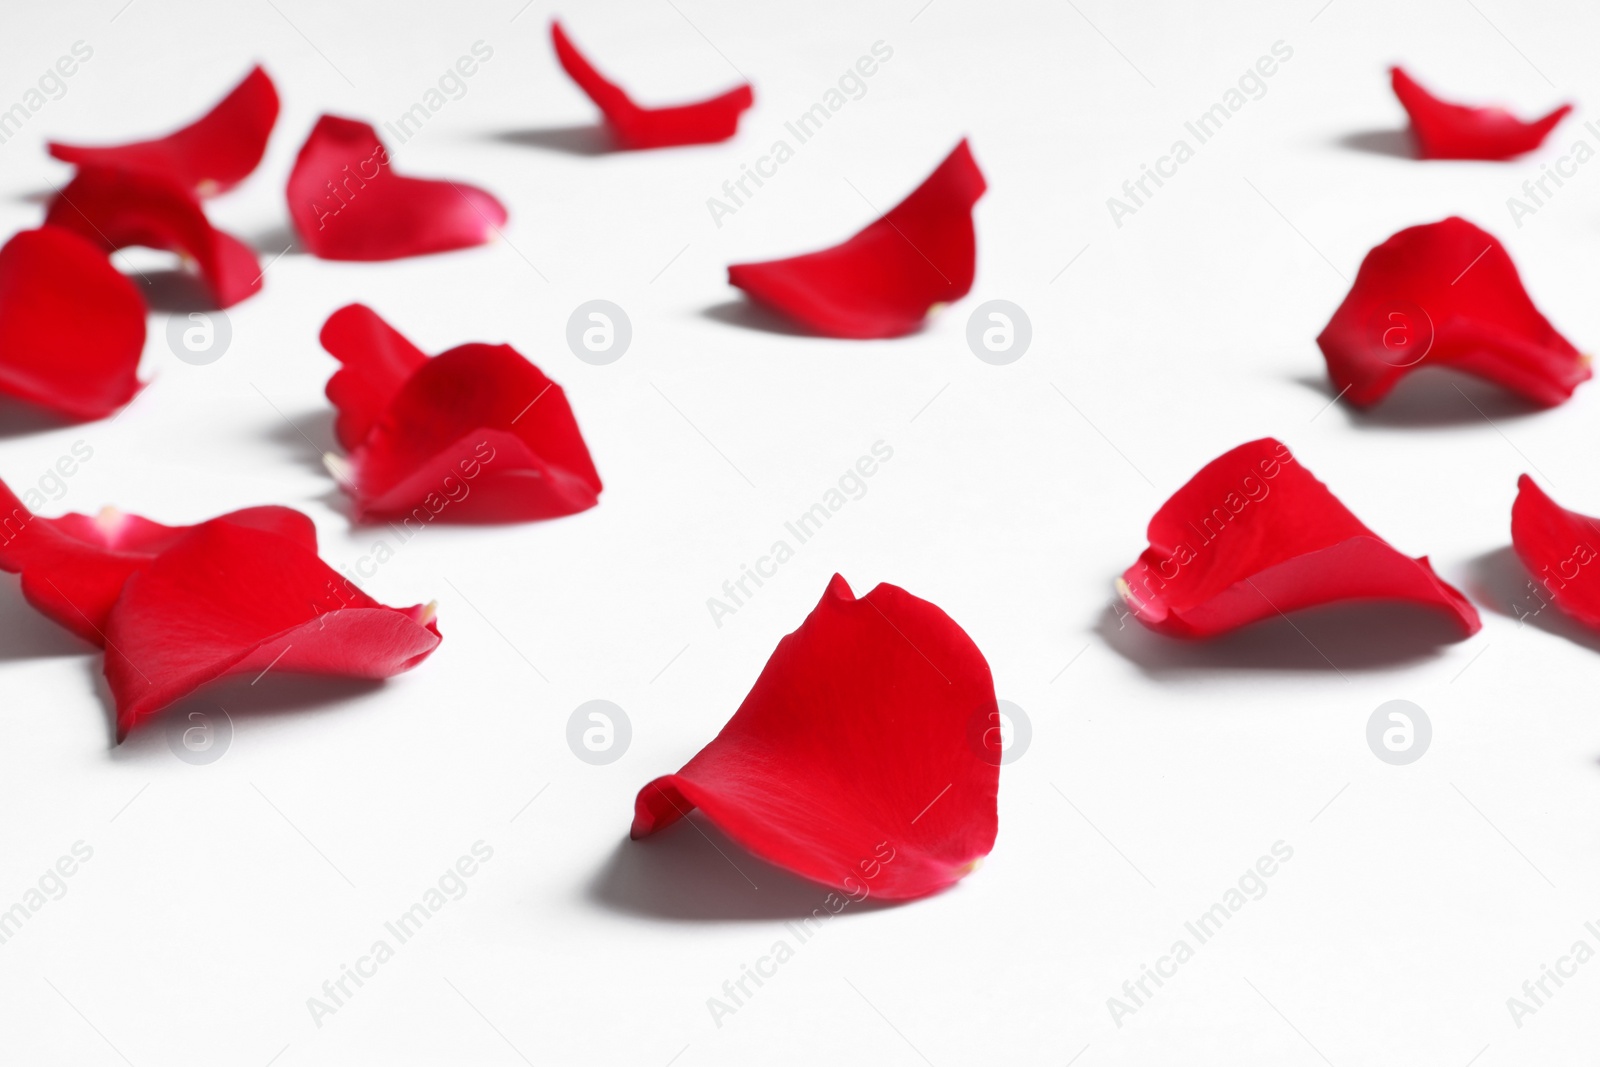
[(71, 326), (1559, 548), (348, 203), (1451, 131), (1445, 295), (1254, 535), (228, 599), (476, 434), (705, 122), (851, 761), (208, 156), (887, 279), (121, 208)]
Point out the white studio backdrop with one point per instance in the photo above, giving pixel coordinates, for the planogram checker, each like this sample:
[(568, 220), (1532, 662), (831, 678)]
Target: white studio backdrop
[(210, 902)]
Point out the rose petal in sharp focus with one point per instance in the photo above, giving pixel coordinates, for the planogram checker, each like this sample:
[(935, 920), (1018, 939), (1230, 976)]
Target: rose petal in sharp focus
[(704, 122), (119, 208), (1561, 549), (851, 762), (72, 327), (377, 362), (230, 599), (208, 156), (1254, 535), (1445, 295), (884, 281), (347, 202), (1451, 131)]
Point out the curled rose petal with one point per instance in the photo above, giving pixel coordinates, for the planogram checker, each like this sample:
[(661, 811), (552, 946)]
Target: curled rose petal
[(887, 279), (120, 208), (208, 156), (1559, 548), (347, 202), (71, 326), (1445, 295), (1254, 535), (1451, 131), (475, 434), (704, 122), (229, 599), (73, 567), (852, 762)]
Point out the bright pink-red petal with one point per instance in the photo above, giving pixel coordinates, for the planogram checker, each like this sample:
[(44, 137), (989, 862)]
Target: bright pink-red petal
[(377, 362), (119, 208), (1561, 549), (347, 202), (704, 122), (229, 599), (1451, 131), (887, 279), (1254, 535), (71, 326), (208, 156), (851, 761), (1445, 295)]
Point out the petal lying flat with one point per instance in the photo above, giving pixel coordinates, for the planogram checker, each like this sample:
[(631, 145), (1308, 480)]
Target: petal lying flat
[(229, 599), (119, 208), (885, 280), (377, 361), (71, 326), (1561, 549), (1451, 131), (853, 746), (705, 122), (1445, 295), (1254, 535), (347, 202), (208, 156), (73, 567)]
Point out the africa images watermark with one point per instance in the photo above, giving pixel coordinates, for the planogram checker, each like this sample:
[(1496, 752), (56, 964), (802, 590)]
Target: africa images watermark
[(452, 85), (51, 885), (51, 85), (1537, 992), (1537, 190), (1203, 128)]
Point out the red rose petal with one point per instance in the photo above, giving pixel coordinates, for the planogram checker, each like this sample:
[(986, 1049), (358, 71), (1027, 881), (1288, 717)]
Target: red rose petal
[(1559, 548), (855, 743), (1451, 131), (71, 326), (884, 281), (74, 567), (348, 203), (1445, 294), (705, 122), (477, 433), (228, 599), (1254, 535), (119, 208), (208, 156)]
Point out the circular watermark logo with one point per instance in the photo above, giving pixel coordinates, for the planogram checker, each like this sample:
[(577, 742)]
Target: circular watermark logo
[(598, 332), (1000, 735), (1399, 732), (201, 737), (1402, 332), (200, 337), (999, 332), (598, 732)]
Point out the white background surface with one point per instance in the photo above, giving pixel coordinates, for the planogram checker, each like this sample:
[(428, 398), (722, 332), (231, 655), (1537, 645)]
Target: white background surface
[(219, 898)]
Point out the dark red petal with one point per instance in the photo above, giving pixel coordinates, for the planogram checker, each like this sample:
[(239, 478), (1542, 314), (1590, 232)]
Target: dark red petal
[(71, 326), (1558, 547), (348, 203), (887, 279), (1451, 131), (208, 156), (377, 360), (854, 744), (119, 208), (1255, 535), (229, 599), (1445, 295), (74, 567), (705, 122)]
